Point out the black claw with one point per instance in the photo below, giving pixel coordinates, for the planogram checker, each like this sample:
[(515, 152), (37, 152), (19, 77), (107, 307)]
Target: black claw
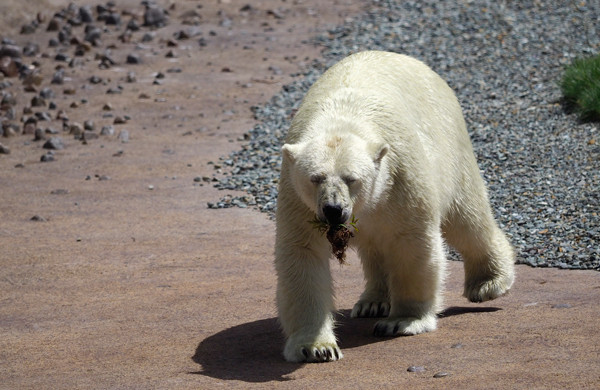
[(305, 353), (329, 354), (317, 354), (337, 354)]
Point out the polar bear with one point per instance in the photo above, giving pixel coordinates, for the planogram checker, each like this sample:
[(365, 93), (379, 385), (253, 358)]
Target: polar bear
[(380, 137)]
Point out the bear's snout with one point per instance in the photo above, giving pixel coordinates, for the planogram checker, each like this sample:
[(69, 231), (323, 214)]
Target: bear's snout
[(334, 214)]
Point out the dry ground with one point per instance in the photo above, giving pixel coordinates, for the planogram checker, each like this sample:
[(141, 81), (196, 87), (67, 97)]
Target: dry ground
[(132, 282)]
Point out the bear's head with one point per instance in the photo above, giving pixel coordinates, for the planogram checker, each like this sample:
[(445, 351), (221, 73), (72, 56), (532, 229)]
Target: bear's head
[(338, 175)]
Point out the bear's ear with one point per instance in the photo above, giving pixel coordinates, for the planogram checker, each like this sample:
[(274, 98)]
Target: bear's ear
[(290, 151), (380, 151)]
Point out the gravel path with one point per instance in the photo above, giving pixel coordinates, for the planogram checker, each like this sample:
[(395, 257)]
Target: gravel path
[(504, 60)]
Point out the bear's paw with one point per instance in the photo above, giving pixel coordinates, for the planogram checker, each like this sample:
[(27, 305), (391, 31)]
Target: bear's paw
[(313, 353), (370, 309), (481, 291), (405, 326)]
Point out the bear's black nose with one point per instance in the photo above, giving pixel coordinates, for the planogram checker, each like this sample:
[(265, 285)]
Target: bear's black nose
[(333, 214)]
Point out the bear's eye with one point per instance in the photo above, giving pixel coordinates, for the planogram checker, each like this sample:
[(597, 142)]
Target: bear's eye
[(349, 180), (317, 179)]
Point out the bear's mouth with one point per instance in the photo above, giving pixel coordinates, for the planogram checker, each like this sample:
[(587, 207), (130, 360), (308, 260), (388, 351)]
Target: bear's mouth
[(338, 235)]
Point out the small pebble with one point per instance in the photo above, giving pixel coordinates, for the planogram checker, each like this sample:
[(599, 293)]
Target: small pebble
[(415, 369), (440, 374)]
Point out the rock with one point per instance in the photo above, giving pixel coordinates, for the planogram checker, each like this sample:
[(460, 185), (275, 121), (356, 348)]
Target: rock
[(53, 24), (48, 157), (4, 149), (39, 135), (47, 93), (38, 218), (54, 143), (38, 101), (9, 67), (133, 25), (415, 369), (113, 19), (31, 49), (75, 129), (131, 77), (89, 125), (85, 14), (107, 130), (92, 34), (133, 58), (124, 136), (154, 16)]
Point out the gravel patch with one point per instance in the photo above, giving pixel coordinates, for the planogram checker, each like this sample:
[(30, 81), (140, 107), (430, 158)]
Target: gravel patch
[(504, 60)]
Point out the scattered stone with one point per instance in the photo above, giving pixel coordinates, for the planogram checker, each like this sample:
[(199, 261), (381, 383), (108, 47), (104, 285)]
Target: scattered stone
[(4, 149), (9, 67), (107, 107), (37, 218), (154, 16), (133, 25), (131, 77), (440, 374), (75, 129), (29, 127), (89, 125), (85, 14), (12, 51), (147, 37), (43, 116), (133, 58), (119, 120), (59, 191), (58, 77), (38, 101), (31, 49), (561, 306), (48, 157), (53, 25), (39, 135), (54, 143), (47, 93), (415, 369), (107, 130), (124, 136), (113, 19)]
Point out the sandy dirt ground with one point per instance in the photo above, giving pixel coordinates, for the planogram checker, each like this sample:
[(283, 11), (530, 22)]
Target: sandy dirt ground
[(127, 280)]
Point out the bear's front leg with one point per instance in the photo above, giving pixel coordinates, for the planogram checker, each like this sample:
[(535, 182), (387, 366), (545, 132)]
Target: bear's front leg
[(415, 280), (305, 304)]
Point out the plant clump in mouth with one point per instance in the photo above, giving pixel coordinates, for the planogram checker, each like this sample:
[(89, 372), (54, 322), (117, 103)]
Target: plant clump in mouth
[(337, 235)]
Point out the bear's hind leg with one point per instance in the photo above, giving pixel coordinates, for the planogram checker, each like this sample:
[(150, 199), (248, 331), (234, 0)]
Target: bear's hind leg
[(415, 278), (488, 256), (375, 300)]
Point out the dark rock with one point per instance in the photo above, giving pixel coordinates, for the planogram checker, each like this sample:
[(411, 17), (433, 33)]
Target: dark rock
[(133, 25), (31, 49), (47, 157), (4, 149), (53, 25), (38, 218), (85, 14), (54, 143), (113, 19), (147, 37), (133, 58), (154, 16), (39, 135), (38, 101), (89, 125), (43, 116), (92, 34), (47, 93), (62, 57)]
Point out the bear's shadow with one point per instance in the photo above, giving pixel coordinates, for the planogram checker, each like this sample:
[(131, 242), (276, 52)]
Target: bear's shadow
[(252, 352)]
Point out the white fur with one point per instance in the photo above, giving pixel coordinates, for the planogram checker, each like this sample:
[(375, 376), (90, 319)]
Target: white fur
[(382, 136)]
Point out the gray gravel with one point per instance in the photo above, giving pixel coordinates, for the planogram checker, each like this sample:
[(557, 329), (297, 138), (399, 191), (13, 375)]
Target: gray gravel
[(504, 60)]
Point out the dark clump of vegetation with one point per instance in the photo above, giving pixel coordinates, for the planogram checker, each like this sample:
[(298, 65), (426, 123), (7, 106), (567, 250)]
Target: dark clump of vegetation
[(580, 86)]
